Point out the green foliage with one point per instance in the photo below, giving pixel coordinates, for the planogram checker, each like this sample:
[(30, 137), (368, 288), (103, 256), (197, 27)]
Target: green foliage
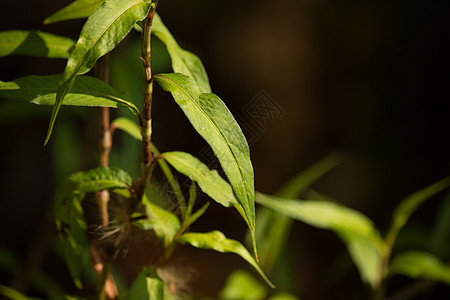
[(420, 265), (87, 91), (242, 285), (34, 43), (103, 30), (78, 9), (147, 286), (213, 121), (217, 241), (13, 294)]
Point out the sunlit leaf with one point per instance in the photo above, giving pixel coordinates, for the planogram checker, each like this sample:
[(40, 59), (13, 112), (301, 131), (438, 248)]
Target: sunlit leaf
[(217, 241), (208, 180), (86, 91), (183, 61), (420, 265), (242, 285), (103, 30), (409, 205), (34, 43), (76, 10), (214, 122), (271, 239), (147, 286), (163, 222), (355, 229)]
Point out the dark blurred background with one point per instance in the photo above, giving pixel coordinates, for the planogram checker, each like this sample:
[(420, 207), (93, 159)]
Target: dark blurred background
[(367, 79)]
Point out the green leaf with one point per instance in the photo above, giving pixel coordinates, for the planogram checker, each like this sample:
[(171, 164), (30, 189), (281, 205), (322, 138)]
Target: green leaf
[(69, 216), (129, 126), (183, 61), (283, 296), (214, 122), (34, 43), (86, 91), (208, 180), (13, 294), (409, 205), (101, 33), (163, 222), (355, 229), (78, 9), (271, 239), (242, 285), (420, 265), (147, 285), (217, 241)]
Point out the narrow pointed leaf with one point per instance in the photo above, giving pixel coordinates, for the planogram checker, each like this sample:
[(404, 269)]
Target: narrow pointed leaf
[(78, 9), (147, 286), (355, 229), (409, 205), (34, 43), (214, 122), (420, 265), (163, 222), (86, 91), (183, 61), (129, 126), (208, 180), (217, 241), (103, 30)]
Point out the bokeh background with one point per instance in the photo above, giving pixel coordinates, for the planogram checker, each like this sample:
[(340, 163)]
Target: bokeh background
[(366, 79)]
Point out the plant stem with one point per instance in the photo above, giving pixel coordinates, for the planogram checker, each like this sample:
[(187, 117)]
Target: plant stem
[(146, 118)]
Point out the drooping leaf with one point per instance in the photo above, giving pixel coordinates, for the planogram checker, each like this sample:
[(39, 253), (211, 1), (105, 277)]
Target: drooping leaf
[(34, 43), (183, 61), (208, 180), (242, 285), (69, 216), (271, 239), (409, 205), (86, 91), (163, 222), (129, 126), (78, 9), (420, 265), (214, 122), (147, 286), (103, 30), (355, 229), (217, 241)]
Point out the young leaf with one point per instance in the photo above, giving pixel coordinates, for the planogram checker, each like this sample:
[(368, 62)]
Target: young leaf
[(86, 91), (208, 180), (217, 241), (147, 286), (183, 61), (164, 223), (103, 30), (214, 122), (420, 265), (355, 229), (409, 205), (242, 285), (78, 9), (34, 43)]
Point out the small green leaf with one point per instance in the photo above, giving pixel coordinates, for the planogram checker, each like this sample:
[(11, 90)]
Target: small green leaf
[(208, 180), (86, 91), (217, 241), (242, 285), (409, 205), (34, 43), (355, 229), (147, 286), (129, 126), (101, 33), (183, 61), (163, 222), (214, 122), (11, 293), (78, 9), (101, 178), (420, 265)]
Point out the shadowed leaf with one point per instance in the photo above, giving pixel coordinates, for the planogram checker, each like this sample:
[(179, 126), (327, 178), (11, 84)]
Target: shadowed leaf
[(146, 286)]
